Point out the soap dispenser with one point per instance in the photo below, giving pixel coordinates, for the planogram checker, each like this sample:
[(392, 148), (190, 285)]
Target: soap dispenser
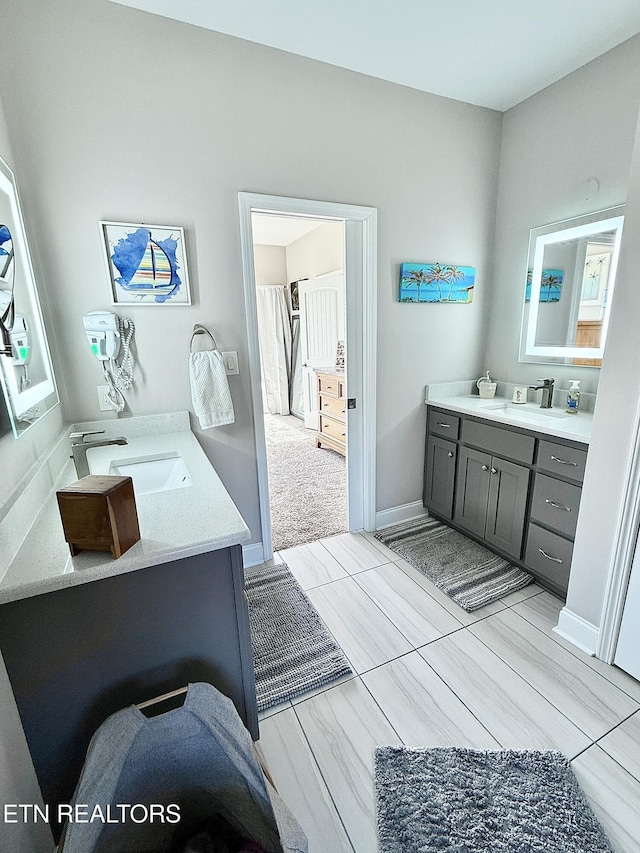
[(573, 397)]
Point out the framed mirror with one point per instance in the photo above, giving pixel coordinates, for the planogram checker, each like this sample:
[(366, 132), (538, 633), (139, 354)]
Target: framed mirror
[(26, 374), (571, 274)]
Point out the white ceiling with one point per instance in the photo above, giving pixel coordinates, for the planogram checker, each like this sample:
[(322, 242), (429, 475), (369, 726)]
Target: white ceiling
[(269, 230), (494, 53)]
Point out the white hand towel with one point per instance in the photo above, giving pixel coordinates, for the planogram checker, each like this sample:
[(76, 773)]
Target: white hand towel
[(210, 389)]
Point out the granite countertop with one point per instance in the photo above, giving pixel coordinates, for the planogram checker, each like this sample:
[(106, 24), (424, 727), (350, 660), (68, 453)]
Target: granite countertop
[(173, 524), (554, 422)]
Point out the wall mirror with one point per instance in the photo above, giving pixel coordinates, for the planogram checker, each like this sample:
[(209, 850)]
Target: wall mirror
[(571, 274), (26, 374)]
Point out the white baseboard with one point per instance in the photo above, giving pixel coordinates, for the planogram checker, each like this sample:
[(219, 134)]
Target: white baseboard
[(578, 631), (399, 514), (252, 555)]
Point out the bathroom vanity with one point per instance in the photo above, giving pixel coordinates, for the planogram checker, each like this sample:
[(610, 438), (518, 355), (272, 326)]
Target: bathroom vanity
[(85, 636), (509, 476)]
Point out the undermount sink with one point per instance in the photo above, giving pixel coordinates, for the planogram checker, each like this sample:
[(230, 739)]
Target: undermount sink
[(517, 410), (159, 473)]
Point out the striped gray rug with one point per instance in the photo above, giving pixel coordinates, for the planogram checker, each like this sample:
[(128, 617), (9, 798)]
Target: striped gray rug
[(293, 651), (468, 573), (447, 799)]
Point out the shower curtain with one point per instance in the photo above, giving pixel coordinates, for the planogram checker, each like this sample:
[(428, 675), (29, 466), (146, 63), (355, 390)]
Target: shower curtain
[(274, 337)]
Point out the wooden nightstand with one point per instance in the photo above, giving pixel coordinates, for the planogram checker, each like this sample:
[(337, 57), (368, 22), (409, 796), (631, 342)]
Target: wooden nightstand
[(332, 404)]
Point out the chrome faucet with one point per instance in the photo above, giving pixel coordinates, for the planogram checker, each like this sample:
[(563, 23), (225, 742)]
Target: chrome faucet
[(547, 392), (79, 449)]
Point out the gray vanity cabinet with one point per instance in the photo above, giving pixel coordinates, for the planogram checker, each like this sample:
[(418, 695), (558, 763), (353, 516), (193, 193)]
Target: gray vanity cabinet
[(491, 499), (513, 490), (439, 475)]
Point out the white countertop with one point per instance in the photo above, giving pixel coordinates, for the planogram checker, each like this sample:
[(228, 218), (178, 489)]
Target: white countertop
[(552, 422), (173, 524)]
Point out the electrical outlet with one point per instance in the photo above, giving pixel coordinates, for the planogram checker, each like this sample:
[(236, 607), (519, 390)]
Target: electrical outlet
[(103, 402), (230, 360)]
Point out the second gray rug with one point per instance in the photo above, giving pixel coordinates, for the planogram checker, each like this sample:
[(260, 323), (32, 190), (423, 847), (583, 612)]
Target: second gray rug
[(468, 573), (471, 801), (293, 651)]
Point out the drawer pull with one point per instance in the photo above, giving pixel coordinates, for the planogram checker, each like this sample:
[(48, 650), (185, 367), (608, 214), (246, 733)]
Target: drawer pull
[(553, 559), (485, 467), (343, 434), (450, 454), (494, 470), (564, 461), (557, 506), (444, 426)]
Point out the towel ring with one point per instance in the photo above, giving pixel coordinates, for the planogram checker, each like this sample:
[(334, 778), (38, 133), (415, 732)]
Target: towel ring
[(199, 329)]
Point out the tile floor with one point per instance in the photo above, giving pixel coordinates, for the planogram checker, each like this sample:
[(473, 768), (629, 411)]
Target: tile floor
[(426, 673)]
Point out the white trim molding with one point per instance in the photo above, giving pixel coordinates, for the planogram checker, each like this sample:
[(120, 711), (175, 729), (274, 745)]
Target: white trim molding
[(578, 631), (252, 555), (399, 514), (360, 265)]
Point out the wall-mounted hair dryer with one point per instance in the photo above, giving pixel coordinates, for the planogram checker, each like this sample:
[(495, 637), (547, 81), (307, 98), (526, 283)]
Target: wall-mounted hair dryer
[(110, 338), (16, 331)]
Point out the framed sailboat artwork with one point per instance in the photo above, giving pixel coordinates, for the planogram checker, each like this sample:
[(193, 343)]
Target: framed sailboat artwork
[(147, 264)]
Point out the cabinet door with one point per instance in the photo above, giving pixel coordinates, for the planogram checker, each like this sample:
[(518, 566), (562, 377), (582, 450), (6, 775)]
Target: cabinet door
[(472, 490), (439, 476), (507, 506)]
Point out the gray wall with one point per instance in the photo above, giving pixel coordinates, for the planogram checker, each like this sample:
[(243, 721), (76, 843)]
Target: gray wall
[(117, 114), (581, 127)]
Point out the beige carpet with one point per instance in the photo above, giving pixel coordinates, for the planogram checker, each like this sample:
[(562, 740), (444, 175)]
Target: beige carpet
[(307, 485)]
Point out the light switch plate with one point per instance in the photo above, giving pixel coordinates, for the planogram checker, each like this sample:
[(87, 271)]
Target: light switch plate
[(230, 361)]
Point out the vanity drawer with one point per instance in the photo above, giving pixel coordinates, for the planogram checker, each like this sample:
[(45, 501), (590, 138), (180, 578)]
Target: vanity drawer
[(549, 556), (502, 442), (563, 460), (328, 384), (443, 424), (556, 503), (332, 428), (332, 406)]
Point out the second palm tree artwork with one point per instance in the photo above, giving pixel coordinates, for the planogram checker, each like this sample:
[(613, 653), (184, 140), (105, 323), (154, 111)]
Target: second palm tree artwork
[(436, 283)]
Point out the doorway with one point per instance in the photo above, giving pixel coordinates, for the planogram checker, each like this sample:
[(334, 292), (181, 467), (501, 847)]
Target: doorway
[(301, 327), (359, 274)]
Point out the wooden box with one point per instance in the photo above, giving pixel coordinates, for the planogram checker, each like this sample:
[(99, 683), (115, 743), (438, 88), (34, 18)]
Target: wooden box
[(99, 514)]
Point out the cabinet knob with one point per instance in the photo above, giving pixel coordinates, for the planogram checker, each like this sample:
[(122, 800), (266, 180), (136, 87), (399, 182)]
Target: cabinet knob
[(494, 470), (450, 454), (485, 467)]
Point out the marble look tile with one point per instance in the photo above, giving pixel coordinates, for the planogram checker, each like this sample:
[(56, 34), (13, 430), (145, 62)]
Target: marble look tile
[(422, 709), (411, 609), (316, 690), (297, 778), (586, 698), (312, 565), (343, 726), (521, 594), (390, 555), (623, 744), (543, 611), (365, 634), (353, 552), (613, 795), (515, 714), (464, 617)]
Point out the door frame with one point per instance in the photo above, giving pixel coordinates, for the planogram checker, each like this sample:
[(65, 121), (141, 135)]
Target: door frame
[(360, 269)]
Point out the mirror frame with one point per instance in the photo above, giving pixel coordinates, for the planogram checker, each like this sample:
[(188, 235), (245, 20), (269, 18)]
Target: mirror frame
[(20, 401), (576, 228)]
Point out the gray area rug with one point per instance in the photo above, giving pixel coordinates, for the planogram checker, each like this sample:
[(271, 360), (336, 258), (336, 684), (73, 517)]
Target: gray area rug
[(468, 573), (471, 801), (293, 651), (307, 484)]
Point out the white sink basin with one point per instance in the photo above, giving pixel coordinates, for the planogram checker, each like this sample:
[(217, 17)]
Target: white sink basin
[(159, 473), (516, 410)]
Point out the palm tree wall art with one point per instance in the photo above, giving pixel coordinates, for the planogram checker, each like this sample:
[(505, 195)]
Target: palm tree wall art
[(435, 282)]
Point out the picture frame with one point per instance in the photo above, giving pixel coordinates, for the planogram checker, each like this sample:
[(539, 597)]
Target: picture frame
[(146, 264), (434, 282)]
